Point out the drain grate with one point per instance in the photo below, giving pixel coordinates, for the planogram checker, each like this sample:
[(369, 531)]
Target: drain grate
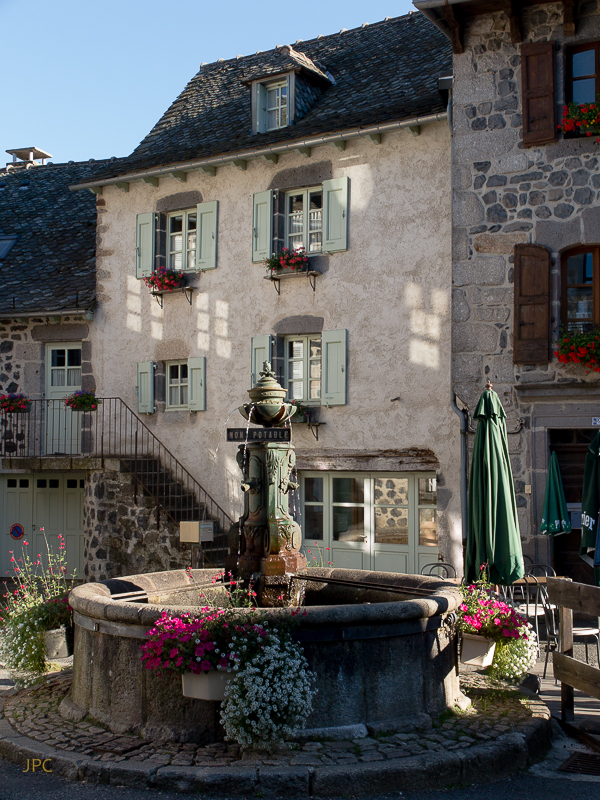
[(583, 763)]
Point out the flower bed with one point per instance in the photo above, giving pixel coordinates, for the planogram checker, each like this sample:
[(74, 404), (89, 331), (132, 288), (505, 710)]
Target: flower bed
[(578, 347), (271, 688), (164, 279), (82, 401), (288, 261), (15, 403)]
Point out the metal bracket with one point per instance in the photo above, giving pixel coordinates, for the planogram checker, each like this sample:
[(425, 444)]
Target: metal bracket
[(187, 291)]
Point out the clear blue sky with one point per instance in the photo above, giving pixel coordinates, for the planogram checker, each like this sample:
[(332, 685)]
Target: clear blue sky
[(83, 79)]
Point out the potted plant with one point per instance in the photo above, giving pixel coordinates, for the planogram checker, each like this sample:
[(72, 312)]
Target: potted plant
[(290, 261), (38, 603), (489, 626), (260, 673), (15, 403), (580, 347), (581, 118), (83, 401), (165, 279), (53, 618), (303, 412)]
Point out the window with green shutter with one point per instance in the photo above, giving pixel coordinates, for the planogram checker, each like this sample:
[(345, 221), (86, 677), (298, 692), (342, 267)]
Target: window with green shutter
[(260, 351), (186, 385)]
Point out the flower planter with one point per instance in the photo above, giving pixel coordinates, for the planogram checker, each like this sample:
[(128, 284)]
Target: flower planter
[(17, 410), (57, 643), (477, 650), (205, 685)]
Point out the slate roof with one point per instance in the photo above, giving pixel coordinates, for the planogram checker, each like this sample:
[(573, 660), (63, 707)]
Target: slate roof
[(51, 266), (384, 72)]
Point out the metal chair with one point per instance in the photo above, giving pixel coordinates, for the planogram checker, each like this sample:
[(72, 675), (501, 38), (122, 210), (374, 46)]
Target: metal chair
[(445, 570), (525, 598), (540, 570)]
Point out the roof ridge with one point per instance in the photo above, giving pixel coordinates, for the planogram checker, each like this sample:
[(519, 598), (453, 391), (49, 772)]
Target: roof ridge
[(319, 38)]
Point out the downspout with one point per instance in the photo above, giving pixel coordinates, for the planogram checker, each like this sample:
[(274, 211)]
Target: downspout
[(462, 414)]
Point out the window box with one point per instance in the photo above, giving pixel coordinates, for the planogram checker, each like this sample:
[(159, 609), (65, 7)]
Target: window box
[(477, 650), (15, 404), (82, 401)]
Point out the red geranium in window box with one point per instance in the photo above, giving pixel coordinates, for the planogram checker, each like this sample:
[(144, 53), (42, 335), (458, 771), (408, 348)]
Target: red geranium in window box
[(580, 347)]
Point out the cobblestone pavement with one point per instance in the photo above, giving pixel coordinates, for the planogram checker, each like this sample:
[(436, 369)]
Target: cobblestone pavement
[(495, 712)]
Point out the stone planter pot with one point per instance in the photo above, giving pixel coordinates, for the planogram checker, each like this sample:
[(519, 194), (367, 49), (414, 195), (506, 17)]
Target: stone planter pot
[(57, 643), (477, 650), (205, 685)]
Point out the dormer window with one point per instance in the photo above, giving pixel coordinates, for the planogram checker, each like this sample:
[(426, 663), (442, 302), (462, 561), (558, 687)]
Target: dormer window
[(273, 103), (277, 104)]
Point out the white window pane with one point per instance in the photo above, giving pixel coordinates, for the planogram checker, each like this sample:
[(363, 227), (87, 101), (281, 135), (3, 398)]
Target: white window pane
[(315, 390), (73, 376), (315, 369), (315, 348), (297, 390), (315, 242), (174, 396), (272, 98), (295, 242), (191, 241), (176, 242), (297, 368), (272, 119), (296, 222), (176, 261), (191, 259), (58, 377), (184, 395), (315, 220), (297, 349)]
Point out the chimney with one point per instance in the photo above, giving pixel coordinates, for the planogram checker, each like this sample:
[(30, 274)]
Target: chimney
[(26, 157)]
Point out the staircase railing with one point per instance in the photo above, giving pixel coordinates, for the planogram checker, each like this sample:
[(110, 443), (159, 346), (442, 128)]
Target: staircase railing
[(113, 430)]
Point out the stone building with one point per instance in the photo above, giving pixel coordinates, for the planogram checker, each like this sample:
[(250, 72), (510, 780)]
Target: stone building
[(526, 236), (339, 144), (47, 275)]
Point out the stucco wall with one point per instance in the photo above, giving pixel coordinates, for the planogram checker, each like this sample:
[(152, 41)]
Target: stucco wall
[(503, 194), (390, 290)]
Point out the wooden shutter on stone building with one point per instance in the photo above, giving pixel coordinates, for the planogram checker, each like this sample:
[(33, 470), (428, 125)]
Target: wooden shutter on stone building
[(531, 336), (539, 94)]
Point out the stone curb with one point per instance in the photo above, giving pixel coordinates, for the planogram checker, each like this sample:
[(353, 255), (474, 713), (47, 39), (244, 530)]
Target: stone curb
[(506, 755)]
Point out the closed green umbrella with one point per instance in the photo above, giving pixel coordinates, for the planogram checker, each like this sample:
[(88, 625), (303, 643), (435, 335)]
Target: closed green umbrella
[(590, 503), (492, 525), (555, 517)]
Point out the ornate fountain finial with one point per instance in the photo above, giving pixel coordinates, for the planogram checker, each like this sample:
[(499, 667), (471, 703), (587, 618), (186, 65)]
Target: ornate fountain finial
[(488, 384), (267, 372)]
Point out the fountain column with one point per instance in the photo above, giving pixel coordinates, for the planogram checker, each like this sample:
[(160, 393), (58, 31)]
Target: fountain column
[(264, 545)]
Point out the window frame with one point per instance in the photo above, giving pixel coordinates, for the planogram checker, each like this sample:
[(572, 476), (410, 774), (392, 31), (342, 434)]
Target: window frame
[(184, 235), (580, 48), (573, 251), (415, 546), (306, 359), (306, 193), (269, 87), (179, 406)]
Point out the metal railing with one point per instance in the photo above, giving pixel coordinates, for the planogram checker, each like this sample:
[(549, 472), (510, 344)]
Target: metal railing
[(113, 430)]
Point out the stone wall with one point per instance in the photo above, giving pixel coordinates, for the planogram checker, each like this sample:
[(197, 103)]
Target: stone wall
[(22, 351), (122, 536), (503, 194)]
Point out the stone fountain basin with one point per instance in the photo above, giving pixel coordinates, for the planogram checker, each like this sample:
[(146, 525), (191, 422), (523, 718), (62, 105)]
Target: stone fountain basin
[(379, 658)]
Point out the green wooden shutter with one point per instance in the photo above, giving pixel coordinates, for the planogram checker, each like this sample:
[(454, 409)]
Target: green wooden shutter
[(261, 351), (145, 387), (197, 383), (261, 108), (262, 226), (145, 231), (335, 215), (206, 242), (333, 353)]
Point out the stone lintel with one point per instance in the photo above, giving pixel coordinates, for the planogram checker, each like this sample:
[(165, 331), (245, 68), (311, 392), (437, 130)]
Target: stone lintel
[(412, 459)]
